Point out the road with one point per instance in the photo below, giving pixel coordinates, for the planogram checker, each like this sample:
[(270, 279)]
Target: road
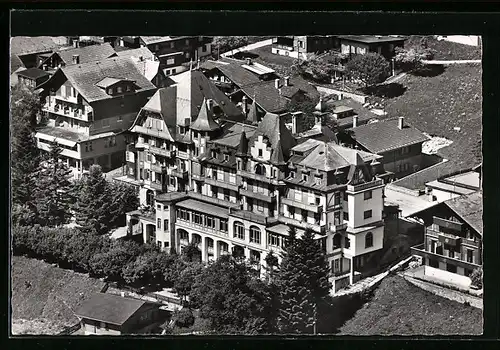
[(451, 62), (248, 47)]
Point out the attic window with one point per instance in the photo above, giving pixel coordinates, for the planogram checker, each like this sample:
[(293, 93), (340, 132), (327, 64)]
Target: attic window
[(305, 177), (119, 89), (110, 91), (292, 174), (226, 157), (128, 88)]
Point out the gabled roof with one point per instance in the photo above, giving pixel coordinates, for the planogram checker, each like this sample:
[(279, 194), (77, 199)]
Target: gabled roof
[(148, 40), (386, 135), (84, 77), (33, 73), (253, 115), (87, 54), (143, 52), (109, 308), (280, 137), (15, 63), (24, 45), (148, 68), (243, 145), (205, 120), (470, 209), (371, 39)]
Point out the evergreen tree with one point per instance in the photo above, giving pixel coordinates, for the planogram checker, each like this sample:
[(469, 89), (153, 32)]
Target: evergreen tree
[(53, 192), (302, 282), (124, 199), (92, 207)]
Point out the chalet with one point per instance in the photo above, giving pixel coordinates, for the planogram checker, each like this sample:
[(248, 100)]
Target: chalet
[(149, 66), (108, 314), (398, 143), (453, 236), (25, 51), (453, 186), (71, 56), (32, 77), (301, 46), (88, 107), (361, 44)]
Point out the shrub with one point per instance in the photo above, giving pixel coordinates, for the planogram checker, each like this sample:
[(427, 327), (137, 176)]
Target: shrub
[(477, 277), (184, 318)]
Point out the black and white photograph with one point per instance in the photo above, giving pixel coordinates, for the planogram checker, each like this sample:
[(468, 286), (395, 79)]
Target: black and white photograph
[(246, 185)]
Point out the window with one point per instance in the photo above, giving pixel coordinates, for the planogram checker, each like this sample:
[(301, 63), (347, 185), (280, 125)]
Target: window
[(197, 219), (187, 41), (305, 177), (172, 181), (336, 198), (214, 191), (369, 240), (204, 48), (254, 234), (260, 152), (239, 230), (292, 174), (368, 195), (405, 150), (226, 195), (119, 89), (223, 225), (347, 243), (167, 72), (170, 61), (367, 214), (273, 240), (470, 256), (166, 244), (260, 206), (159, 244), (292, 211), (128, 88), (165, 225), (226, 157), (120, 118), (336, 241), (345, 197), (110, 91), (209, 222), (174, 71), (304, 215), (260, 169), (336, 265)]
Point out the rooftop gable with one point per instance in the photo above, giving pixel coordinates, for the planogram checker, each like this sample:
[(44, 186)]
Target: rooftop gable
[(470, 208), (87, 54), (24, 45)]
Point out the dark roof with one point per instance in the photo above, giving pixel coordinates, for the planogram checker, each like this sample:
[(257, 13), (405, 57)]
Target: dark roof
[(280, 137), (87, 54), (371, 39), (417, 180), (33, 73), (109, 308), (386, 135), (84, 77), (233, 70), (470, 208), (253, 114), (205, 120), (143, 52), (24, 45), (15, 63), (203, 207)]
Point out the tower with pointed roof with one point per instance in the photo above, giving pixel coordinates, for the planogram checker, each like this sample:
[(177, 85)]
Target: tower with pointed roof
[(203, 128)]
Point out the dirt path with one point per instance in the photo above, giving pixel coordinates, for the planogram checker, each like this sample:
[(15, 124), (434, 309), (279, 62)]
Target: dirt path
[(248, 47), (451, 62)]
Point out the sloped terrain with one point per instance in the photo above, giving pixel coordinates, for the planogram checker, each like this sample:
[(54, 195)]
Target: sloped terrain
[(399, 308)]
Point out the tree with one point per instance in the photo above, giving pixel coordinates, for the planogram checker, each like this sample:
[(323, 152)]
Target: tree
[(411, 59), (302, 282), (370, 68), (93, 204), (124, 199), (147, 269), (477, 277), (228, 43), (25, 156), (191, 252), (271, 263), (317, 69), (183, 318), (231, 298), (307, 106), (185, 281), (53, 192)]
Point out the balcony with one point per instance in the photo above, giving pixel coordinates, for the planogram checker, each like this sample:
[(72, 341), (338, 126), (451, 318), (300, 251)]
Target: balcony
[(212, 200), (420, 251), (198, 177), (161, 151), (452, 225), (181, 174), (221, 183), (158, 168), (134, 229), (315, 208), (150, 131), (76, 113), (250, 216), (257, 177), (449, 239), (140, 144), (156, 185), (365, 186), (338, 227), (315, 227), (271, 198)]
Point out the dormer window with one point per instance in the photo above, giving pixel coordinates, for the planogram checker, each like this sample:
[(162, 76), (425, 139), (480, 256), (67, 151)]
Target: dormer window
[(260, 152), (213, 154), (292, 174), (110, 91), (305, 177), (128, 88), (226, 157), (119, 89), (318, 181)]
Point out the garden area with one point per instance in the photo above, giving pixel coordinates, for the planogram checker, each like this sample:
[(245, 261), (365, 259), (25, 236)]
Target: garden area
[(44, 296), (446, 50), (399, 308)]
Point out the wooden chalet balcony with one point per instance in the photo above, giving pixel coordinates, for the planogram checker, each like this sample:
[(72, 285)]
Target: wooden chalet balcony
[(222, 184), (150, 131), (446, 238), (84, 114), (161, 151), (420, 251), (140, 144), (221, 84), (270, 198), (212, 200), (181, 174), (315, 208), (365, 186), (257, 177)]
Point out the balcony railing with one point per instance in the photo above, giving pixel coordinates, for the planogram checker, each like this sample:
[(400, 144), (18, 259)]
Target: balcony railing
[(198, 177), (365, 186), (154, 184), (247, 215), (141, 144), (150, 131), (158, 168), (76, 113), (258, 177), (221, 183), (270, 198), (182, 174), (338, 227), (315, 208), (315, 227), (161, 151), (420, 251)]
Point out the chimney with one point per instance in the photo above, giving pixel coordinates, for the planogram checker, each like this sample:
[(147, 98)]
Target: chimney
[(355, 121), (76, 43), (244, 103), (401, 123), (295, 122), (277, 83), (76, 59), (249, 61), (287, 81)]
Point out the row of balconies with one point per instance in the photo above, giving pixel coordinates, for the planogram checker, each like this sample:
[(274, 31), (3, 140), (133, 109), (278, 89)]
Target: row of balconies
[(84, 113)]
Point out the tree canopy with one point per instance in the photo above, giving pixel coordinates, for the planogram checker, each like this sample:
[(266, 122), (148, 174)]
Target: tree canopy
[(370, 68), (227, 43)]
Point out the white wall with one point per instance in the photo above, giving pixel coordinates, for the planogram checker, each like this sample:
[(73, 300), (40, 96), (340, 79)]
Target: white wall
[(358, 205)]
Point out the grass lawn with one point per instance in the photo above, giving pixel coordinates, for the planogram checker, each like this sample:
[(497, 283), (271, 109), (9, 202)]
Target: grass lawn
[(281, 64), (447, 50), (400, 308), (437, 104), (52, 296)]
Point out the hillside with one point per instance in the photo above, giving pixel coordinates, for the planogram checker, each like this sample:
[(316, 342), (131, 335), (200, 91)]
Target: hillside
[(45, 295), (399, 308)]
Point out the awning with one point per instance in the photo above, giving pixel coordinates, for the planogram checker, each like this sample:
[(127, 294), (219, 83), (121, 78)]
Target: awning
[(56, 139)]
